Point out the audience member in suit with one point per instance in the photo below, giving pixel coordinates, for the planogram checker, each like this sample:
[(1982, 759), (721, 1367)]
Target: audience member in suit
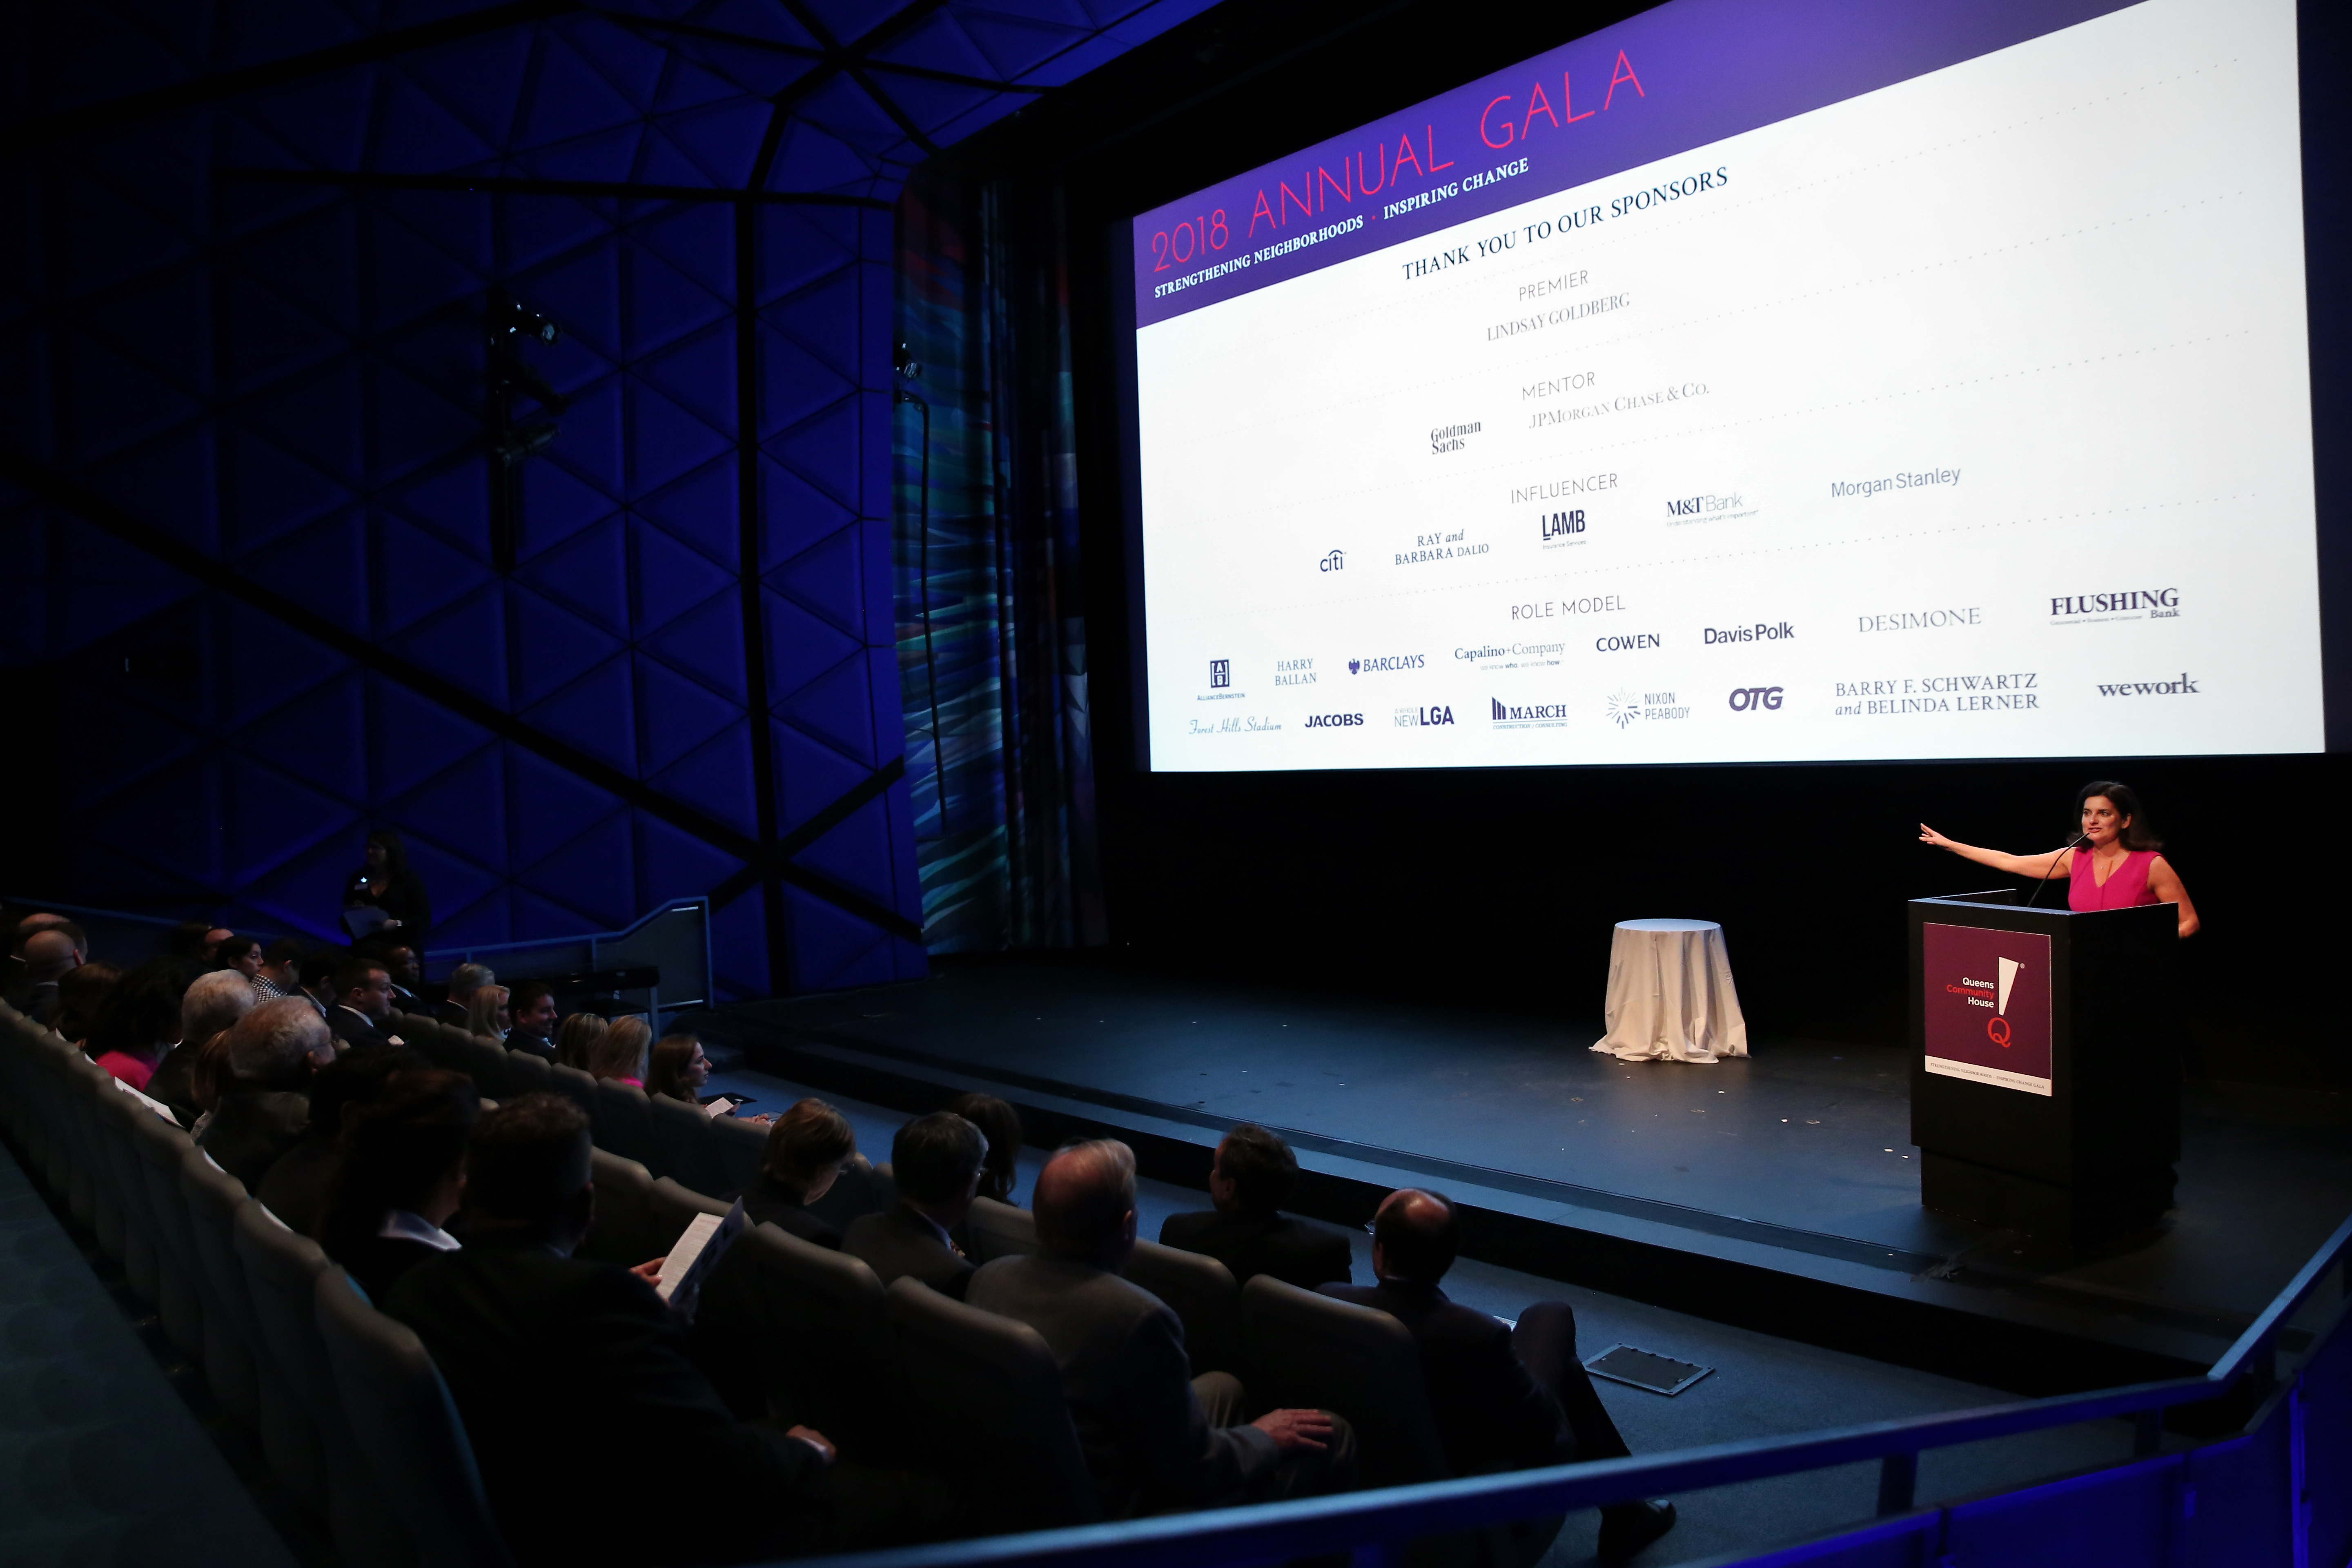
[(1155, 1437), (316, 977), (455, 1007), (1000, 1125), (568, 1373), (385, 881), (296, 1188), (808, 1148), (402, 1177), (531, 1013), (400, 961), (936, 1161), (209, 1004), (363, 1006), (1252, 1177), (576, 1037), (264, 1105), (81, 992), (280, 962), (486, 1015), (1502, 1399), (49, 955), (619, 1053)]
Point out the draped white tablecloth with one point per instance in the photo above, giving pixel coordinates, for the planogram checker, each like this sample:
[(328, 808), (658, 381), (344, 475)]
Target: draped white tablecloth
[(1670, 993)]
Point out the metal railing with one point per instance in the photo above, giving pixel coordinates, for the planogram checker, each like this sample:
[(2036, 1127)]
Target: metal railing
[(674, 938), (1374, 1525)]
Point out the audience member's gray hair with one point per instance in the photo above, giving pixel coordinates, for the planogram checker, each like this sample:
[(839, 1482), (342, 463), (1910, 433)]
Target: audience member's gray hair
[(213, 1000), (1084, 1197), (468, 978), (267, 1045)]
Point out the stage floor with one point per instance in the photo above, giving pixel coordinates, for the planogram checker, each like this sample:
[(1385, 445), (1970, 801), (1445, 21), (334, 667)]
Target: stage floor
[(1803, 1147)]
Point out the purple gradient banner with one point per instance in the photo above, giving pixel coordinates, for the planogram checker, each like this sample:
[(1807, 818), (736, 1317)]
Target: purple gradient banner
[(1684, 75)]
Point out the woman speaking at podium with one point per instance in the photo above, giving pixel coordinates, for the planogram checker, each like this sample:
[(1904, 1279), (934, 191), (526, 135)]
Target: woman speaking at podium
[(2116, 868)]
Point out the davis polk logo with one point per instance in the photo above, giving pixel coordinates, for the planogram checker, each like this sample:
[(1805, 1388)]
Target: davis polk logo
[(1748, 698), (2183, 687), (1762, 631), (1422, 718), (1221, 674), (2125, 605), (1528, 715), (1334, 720), (1335, 562)]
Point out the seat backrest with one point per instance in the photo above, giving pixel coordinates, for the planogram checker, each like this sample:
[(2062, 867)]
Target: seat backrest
[(485, 1061), (1200, 1290), (622, 1123), (527, 1073), (674, 1206), (423, 1034), (624, 1232), (1312, 1352), (578, 1088), (987, 1408), (823, 1343), (740, 1144), (688, 1152), (407, 1429), (999, 1230)]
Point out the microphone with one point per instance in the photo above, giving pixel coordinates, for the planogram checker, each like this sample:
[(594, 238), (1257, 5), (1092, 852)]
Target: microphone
[(2043, 880)]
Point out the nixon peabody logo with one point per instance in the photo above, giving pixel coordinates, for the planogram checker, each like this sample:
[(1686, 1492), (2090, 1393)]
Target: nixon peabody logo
[(1386, 662), (1625, 707), (1334, 720), (1423, 718), (1749, 699), (1528, 715)]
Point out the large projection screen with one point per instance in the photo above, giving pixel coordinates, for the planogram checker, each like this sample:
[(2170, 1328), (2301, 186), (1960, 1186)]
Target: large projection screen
[(1818, 380)]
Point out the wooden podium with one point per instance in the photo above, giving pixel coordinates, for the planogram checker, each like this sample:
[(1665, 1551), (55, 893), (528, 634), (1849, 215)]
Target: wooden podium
[(2046, 1081)]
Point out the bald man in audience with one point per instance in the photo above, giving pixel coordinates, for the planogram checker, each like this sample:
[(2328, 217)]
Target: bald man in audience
[(48, 953), (1502, 1399), (1155, 1437)]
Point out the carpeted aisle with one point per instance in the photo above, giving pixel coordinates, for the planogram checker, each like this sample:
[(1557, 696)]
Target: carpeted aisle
[(100, 1461)]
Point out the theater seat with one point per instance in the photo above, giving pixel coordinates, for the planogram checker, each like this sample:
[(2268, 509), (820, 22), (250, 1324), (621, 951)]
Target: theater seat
[(999, 1230), (110, 1134), (485, 1061), (158, 1146), (682, 1135), (578, 1088), (673, 1207), (1310, 1352), (621, 1121), (423, 1034), (986, 1409), (527, 1073), (740, 1145), (1201, 1291), (624, 1231), (822, 1342), (407, 1429)]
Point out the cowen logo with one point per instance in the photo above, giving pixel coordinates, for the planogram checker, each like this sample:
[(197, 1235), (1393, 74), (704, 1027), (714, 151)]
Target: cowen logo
[(1528, 715), (1386, 662), (1748, 698), (1422, 718), (2183, 687), (2122, 604), (1334, 720)]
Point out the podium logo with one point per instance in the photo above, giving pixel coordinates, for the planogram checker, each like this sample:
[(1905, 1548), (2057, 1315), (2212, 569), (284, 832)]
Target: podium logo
[(1997, 1026)]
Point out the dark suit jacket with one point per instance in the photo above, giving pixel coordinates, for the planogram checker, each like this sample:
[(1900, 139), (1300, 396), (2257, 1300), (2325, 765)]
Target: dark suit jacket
[(251, 1127), (453, 1014), (898, 1241), (1295, 1253), (1148, 1443), (552, 1360), (171, 1084), (37, 1000), (1490, 1414), (295, 1189), (764, 1203), (356, 1032), (377, 1262), (540, 1046)]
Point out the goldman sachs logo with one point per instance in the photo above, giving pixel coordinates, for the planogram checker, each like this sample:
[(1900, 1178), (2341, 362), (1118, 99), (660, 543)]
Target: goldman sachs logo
[(1528, 715)]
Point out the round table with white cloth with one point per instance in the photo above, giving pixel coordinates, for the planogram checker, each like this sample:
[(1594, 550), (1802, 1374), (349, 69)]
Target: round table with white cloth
[(1670, 993)]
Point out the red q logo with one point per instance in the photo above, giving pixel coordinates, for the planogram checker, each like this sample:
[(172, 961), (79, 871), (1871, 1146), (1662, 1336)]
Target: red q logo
[(1998, 1029)]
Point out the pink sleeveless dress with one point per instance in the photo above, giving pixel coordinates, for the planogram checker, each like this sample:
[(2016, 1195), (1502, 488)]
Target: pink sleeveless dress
[(2126, 887)]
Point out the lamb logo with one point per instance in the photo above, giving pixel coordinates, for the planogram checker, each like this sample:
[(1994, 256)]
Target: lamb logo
[(1997, 1026)]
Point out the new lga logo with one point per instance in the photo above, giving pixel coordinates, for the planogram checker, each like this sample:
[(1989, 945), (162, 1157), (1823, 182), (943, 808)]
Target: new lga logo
[(1423, 718), (1528, 715)]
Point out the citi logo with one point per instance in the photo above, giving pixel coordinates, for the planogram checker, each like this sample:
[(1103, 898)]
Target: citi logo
[(1560, 524), (1423, 718), (1748, 698), (1334, 720), (1335, 562), (2184, 687)]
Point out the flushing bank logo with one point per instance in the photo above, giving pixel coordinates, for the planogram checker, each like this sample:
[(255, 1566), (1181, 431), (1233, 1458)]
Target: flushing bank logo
[(2118, 604), (1423, 718), (1526, 715), (1386, 663), (1335, 562), (1997, 1029)]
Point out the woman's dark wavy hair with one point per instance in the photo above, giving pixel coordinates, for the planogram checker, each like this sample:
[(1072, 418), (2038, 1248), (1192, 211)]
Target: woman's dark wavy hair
[(2125, 800), (395, 852)]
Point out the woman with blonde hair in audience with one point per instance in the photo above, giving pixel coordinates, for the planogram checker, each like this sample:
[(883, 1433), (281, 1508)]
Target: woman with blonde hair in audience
[(486, 1013), (809, 1147), (619, 1052), (576, 1037)]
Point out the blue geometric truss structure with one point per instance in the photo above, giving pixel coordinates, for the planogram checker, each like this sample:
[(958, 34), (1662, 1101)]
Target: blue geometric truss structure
[(249, 549)]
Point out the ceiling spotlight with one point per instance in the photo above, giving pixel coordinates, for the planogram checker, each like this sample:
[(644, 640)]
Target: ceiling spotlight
[(512, 321)]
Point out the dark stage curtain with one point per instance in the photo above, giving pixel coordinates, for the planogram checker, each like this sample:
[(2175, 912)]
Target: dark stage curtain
[(991, 605)]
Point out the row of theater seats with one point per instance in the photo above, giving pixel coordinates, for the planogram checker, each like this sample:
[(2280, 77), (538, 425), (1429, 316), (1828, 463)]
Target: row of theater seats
[(350, 1412)]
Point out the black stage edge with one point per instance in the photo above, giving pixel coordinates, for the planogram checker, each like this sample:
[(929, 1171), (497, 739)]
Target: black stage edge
[(1779, 1192)]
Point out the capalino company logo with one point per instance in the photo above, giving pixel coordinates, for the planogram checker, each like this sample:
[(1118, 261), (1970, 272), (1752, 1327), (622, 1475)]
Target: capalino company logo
[(1221, 674), (1386, 662), (1749, 699), (1528, 715), (1334, 720), (1422, 718), (2156, 604), (1762, 631)]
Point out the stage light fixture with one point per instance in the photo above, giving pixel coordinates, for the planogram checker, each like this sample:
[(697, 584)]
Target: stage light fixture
[(513, 320), (903, 361)]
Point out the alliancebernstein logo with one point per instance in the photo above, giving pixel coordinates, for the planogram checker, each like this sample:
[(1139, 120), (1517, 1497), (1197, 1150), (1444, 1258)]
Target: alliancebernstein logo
[(2183, 687), (1528, 715)]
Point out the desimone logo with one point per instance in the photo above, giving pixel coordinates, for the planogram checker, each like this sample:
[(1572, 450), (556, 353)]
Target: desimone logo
[(1334, 720), (1749, 699)]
